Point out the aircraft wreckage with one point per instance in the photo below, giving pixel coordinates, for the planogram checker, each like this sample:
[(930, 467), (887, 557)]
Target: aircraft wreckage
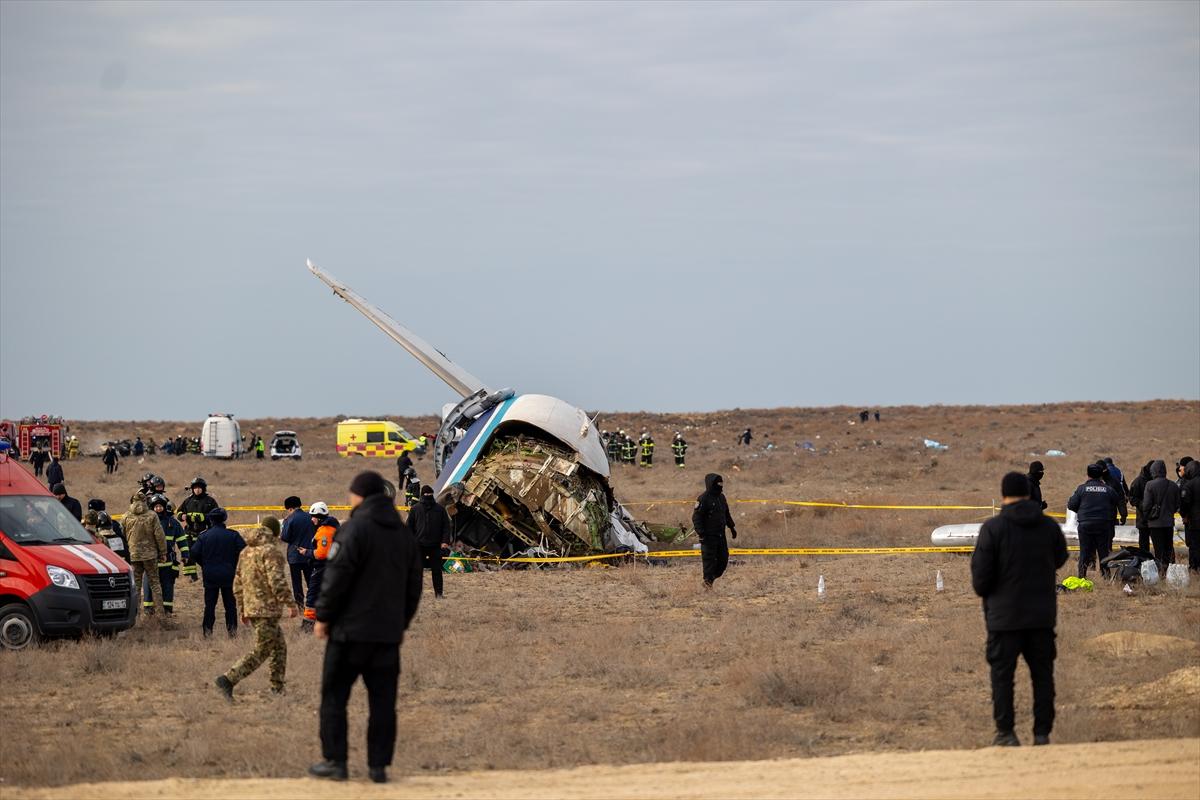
[(519, 473)]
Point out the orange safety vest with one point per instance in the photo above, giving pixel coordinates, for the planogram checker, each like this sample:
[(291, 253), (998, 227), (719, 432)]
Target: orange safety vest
[(322, 540)]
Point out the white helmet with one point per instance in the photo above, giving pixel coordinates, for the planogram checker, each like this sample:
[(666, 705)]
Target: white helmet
[(318, 510)]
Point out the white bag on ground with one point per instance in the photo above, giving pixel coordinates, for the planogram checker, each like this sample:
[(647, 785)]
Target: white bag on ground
[(1177, 576), (1149, 573)]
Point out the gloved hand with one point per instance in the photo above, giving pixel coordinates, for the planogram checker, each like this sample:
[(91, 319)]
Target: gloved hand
[(733, 532)]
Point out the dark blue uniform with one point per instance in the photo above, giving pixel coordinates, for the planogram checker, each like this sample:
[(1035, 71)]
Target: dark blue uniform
[(1096, 506), (217, 551)]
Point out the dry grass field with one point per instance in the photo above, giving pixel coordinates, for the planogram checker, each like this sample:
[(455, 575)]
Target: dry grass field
[(564, 667)]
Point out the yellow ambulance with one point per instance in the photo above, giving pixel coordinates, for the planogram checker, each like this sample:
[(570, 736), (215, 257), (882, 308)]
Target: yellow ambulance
[(373, 437)]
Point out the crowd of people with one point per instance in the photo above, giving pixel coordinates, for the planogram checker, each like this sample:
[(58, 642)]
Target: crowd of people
[(621, 448)]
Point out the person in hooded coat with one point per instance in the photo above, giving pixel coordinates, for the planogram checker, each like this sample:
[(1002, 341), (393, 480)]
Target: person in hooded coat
[(430, 524), (1189, 509), (1159, 504), (1036, 471), (710, 518), (1013, 568), (1137, 491)]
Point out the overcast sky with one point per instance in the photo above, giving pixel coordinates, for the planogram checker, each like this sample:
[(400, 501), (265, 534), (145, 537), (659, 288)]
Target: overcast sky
[(657, 206)]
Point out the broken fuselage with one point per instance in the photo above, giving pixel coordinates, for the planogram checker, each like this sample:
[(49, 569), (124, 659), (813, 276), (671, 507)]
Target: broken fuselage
[(518, 472)]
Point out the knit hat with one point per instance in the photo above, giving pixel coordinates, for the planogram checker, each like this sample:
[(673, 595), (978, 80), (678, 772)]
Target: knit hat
[(1014, 485), (58, 488), (367, 483), (96, 504), (1094, 471), (218, 516), (292, 502), (271, 524)]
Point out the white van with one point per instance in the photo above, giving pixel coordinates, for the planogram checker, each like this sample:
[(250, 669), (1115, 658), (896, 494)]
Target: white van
[(221, 436)]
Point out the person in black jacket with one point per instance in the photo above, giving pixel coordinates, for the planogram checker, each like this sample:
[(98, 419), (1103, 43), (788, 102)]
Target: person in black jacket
[(1013, 569), (369, 594), (1137, 490), (710, 519), (1036, 471), (69, 503), (430, 524), (1113, 481), (298, 533), (1095, 505), (54, 472), (1189, 509), (217, 552), (403, 465), (1159, 504)]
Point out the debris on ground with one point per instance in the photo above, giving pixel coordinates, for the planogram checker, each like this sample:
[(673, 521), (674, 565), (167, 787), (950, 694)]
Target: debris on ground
[(932, 444)]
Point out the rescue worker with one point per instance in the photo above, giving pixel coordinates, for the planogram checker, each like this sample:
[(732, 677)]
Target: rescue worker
[(679, 446), (180, 445), (259, 448), (178, 550), (110, 459), (1159, 503), (326, 526), (151, 446), (145, 485), (1189, 509), (147, 549), (89, 522), (628, 450), (193, 514), (431, 526), (73, 447), (109, 532), (139, 449), (647, 445), (297, 533), (217, 551), (38, 459), (403, 465), (710, 518), (369, 595), (1137, 491), (422, 445), (613, 448), (54, 472), (412, 488), (1095, 505), (69, 503), (1036, 472), (96, 504), (1013, 568), (260, 590)]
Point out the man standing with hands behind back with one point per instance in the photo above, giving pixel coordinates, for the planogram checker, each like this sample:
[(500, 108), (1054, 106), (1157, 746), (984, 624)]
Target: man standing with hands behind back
[(369, 594), (1013, 569)]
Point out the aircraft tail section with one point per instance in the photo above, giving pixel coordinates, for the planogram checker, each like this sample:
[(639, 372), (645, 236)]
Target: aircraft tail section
[(455, 376)]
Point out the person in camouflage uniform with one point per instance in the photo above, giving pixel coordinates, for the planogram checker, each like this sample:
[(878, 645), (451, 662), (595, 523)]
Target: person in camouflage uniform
[(147, 548), (262, 591)]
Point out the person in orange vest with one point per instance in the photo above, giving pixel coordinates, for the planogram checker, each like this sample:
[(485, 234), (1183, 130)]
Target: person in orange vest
[(326, 525)]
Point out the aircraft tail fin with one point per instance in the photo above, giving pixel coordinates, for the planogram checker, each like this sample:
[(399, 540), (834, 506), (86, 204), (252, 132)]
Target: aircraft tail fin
[(455, 376)]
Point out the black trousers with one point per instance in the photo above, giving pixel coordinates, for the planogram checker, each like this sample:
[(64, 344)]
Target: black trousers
[(1094, 544), (166, 579), (314, 586), (210, 607), (1144, 539), (1003, 649), (300, 571), (1192, 537), (714, 552), (1163, 540), (379, 665), (431, 557)]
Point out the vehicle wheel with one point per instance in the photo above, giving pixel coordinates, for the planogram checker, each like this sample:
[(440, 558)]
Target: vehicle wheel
[(18, 629), (274, 458)]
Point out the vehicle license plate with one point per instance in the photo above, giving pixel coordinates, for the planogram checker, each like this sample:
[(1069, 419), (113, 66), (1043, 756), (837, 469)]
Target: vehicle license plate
[(110, 605)]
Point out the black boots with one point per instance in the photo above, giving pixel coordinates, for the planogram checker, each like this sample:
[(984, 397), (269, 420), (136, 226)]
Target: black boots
[(333, 770), (226, 686), (377, 774), (1006, 739)]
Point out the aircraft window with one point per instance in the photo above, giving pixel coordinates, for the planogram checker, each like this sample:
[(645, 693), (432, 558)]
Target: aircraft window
[(374, 436)]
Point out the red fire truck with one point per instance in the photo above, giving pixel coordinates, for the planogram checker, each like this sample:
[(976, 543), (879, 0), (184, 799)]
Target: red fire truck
[(46, 432)]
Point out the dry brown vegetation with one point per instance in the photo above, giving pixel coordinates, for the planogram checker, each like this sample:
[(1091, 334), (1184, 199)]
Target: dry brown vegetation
[(563, 667)]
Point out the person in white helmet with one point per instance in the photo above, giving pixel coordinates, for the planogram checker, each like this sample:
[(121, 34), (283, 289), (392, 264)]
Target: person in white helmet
[(325, 526)]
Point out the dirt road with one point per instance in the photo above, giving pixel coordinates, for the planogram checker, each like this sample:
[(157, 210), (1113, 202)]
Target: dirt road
[(1110, 769)]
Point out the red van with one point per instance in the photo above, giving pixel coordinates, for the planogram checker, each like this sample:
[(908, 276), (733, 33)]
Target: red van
[(55, 580)]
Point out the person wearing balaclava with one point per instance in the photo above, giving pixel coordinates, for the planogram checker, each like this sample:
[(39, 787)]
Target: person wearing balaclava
[(1095, 506), (1036, 471), (710, 519), (1159, 504)]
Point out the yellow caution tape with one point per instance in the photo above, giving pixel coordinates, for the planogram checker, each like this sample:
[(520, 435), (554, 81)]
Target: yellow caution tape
[(733, 551)]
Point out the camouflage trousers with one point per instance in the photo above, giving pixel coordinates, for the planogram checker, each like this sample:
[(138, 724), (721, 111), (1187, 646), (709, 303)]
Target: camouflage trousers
[(268, 644), (145, 580)]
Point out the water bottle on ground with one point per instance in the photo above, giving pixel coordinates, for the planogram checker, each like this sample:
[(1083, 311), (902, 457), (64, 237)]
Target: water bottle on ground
[(821, 588), (941, 584)]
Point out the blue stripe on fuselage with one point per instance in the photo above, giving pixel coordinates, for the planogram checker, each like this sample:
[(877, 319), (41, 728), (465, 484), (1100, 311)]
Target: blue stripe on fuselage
[(469, 449)]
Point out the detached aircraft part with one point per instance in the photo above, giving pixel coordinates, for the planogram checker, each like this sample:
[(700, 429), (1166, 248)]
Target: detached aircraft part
[(516, 471), (963, 534)]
